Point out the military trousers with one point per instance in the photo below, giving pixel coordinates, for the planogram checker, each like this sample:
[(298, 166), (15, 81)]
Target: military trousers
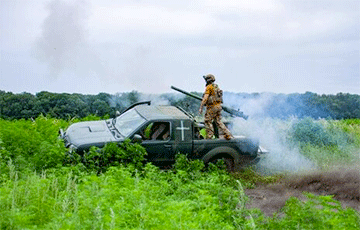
[(213, 113)]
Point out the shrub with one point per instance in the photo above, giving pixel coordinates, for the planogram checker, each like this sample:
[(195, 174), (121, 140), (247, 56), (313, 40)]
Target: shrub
[(112, 154), (325, 142), (310, 131), (31, 144)]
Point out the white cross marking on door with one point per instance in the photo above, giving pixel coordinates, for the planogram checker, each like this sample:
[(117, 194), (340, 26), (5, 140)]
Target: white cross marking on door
[(182, 128)]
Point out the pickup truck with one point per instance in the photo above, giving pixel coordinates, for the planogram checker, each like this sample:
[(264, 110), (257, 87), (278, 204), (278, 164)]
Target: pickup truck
[(163, 131)]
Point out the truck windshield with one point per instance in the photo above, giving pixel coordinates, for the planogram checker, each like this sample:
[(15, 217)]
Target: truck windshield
[(127, 122)]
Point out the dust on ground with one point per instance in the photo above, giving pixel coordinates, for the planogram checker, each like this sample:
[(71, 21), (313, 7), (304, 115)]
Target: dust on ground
[(343, 184)]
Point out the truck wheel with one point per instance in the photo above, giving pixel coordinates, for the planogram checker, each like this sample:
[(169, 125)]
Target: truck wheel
[(228, 161)]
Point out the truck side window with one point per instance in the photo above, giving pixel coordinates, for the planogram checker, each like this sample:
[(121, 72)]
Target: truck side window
[(156, 131), (199, 132)]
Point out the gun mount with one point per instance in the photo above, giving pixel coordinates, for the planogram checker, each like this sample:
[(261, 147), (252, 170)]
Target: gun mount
[(231, 111)]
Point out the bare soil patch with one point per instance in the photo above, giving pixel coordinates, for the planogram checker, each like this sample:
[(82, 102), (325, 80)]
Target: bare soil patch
[(343, 184)]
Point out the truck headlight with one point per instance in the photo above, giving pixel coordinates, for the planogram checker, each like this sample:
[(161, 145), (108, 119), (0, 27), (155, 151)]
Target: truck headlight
[(61, 133), (72, 148)]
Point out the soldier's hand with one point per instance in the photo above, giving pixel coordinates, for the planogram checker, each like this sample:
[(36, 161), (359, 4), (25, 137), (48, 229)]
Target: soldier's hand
[(200, 111)]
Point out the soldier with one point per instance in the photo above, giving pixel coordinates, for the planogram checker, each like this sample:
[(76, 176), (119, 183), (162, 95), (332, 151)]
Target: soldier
[(212, 99)]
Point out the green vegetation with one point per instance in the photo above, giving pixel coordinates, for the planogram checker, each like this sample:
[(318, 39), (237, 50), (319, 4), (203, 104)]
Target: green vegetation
[(327, 142), (31, 145), (43, 187), (64, 105), (318, 212), (100, 159), (69, 106)]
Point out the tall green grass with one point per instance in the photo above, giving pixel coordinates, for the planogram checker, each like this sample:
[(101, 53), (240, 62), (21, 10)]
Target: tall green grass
[(120, 198), (40, 189), (125, 198)]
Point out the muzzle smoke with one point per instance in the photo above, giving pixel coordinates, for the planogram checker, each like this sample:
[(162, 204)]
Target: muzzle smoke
[(272, 134)]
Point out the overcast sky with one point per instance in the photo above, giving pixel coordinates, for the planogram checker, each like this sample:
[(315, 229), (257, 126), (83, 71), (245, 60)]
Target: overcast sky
[(280, 46)]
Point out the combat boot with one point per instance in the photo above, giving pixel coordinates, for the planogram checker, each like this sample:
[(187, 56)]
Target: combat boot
[(228, 137)]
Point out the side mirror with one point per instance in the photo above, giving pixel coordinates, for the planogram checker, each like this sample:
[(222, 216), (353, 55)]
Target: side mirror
[(137, 138)]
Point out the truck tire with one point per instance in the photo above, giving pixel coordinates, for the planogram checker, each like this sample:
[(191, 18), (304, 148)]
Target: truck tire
[(228, 155), (228, 161)]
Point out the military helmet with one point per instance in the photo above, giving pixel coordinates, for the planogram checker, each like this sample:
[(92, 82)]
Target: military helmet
[(209, 77)]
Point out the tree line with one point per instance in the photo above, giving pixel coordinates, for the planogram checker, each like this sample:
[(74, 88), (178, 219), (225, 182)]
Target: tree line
[(339, 106), (67, 106)]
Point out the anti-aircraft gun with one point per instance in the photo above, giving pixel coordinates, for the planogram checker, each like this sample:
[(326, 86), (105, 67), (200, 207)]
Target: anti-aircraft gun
[(231, 111)]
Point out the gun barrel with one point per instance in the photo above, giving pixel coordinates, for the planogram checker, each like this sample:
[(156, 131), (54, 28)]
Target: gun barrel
[(187, 93), (231, 111), (234, 112)]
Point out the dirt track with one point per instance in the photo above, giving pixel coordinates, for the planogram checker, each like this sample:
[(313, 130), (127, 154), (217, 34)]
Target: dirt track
[(343, 184)]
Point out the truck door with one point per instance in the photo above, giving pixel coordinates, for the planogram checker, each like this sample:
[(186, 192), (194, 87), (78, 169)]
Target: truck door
[(157, 141), (183, 136)]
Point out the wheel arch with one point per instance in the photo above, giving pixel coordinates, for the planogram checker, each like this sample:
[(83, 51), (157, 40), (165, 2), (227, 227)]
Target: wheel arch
[(220, 151)]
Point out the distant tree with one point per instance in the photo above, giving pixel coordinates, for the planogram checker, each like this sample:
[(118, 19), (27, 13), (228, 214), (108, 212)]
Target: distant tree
[(344, 106), (101, 108), (189, 104), (133, 97), (67, 106), (17, 106)]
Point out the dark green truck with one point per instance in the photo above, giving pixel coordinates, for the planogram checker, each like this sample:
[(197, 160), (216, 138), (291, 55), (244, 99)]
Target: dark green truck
[(164, 131)]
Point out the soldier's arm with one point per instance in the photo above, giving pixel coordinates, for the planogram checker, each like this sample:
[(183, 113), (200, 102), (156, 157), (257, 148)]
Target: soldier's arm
[(203, 102)]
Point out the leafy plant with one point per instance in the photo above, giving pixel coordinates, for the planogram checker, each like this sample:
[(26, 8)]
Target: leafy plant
[(112, 154), (31, 144)]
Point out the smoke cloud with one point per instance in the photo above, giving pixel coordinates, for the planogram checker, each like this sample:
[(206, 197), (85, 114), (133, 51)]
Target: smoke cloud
[(65, 46), (155, 99), (63, 43), (271, 132), (262, 105)]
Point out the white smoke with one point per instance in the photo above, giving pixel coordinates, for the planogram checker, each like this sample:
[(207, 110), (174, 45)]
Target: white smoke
[(122, 100), (63, 43), (155, 99), (252, 105), (272, 134), (116, 100)]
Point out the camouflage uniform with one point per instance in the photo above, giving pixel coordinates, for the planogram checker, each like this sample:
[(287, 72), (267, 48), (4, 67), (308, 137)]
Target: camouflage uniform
[(213, 112)]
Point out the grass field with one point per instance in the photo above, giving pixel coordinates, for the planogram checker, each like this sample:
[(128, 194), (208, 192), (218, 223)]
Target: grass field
[(41, 188)]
